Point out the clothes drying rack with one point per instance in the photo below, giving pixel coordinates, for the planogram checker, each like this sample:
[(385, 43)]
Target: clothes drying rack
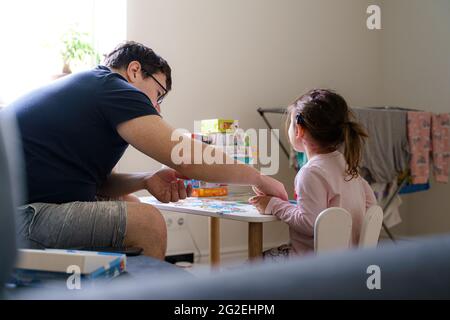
[(386, 205)]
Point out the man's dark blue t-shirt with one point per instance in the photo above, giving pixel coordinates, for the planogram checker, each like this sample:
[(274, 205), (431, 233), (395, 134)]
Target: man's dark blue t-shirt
[(69, 133)]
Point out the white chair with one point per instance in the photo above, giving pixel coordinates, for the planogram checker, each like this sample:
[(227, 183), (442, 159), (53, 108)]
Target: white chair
[(371, 227), (332, 230)]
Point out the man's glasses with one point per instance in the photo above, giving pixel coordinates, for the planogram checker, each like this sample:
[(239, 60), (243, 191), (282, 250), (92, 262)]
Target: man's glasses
[(161, 97)]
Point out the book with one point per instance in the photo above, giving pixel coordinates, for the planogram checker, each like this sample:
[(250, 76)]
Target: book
[(52, 264)]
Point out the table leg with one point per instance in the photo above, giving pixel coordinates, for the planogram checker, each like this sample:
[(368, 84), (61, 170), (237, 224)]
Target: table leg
[(214, 241), (255, 239)]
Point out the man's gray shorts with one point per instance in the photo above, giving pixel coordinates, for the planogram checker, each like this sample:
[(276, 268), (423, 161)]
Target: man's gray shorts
[(74, 225)]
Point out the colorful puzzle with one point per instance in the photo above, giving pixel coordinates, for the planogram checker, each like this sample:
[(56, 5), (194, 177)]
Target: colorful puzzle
[(212, 205)]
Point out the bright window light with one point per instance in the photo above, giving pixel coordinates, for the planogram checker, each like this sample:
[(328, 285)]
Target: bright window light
[(31, 35)]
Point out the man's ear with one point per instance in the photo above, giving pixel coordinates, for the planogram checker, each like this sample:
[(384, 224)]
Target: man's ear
[(134, 71)]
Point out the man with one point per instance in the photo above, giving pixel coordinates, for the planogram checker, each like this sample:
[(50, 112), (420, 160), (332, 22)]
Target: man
[(75, 130)]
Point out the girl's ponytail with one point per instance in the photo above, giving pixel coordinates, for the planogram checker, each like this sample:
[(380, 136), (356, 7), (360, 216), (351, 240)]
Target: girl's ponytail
[(354, 137)]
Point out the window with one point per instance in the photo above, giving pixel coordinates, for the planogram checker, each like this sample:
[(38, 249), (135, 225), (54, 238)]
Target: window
[(31, 35)]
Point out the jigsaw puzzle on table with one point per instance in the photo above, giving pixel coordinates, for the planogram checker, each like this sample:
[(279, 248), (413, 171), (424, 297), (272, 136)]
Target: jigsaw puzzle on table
[(212, 205)]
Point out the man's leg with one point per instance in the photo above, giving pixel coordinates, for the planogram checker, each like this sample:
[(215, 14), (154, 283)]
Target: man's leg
[(130, 198), (99, 224), (74, 225), (146, 228)]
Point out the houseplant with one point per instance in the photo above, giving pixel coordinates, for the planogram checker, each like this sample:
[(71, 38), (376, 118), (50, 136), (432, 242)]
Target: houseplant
[(77, 49)]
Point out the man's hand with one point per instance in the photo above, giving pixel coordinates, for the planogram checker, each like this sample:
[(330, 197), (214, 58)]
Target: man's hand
[(166, 186), (260, 202), (271, 187)]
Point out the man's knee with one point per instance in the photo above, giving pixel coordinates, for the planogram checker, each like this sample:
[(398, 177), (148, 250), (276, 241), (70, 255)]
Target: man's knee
[(146, 228), (153, 221), (130, 198)]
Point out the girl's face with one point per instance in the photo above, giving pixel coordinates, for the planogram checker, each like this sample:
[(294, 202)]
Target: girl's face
[(296, 134)]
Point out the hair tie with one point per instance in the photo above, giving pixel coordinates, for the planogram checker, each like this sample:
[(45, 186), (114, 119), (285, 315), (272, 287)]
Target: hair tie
[(300, 119)]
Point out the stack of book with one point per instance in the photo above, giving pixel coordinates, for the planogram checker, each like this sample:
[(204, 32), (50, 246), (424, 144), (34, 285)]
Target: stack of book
[(34, 266), (223, 134)]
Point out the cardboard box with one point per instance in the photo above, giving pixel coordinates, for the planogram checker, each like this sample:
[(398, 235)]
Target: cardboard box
[(218, 126)]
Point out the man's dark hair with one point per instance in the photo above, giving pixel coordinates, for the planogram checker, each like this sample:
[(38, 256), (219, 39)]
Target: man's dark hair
[(151, 63)]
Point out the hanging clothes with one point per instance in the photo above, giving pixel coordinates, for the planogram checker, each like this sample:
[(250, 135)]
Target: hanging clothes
[(419, 135), (383, 192), (386, 152), (409, 187), (413, 188), (440, 129)]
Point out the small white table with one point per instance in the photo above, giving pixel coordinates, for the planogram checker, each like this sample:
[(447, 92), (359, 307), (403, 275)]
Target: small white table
[(229, 207)]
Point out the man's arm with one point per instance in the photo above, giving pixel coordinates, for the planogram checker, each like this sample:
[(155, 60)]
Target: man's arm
[(165, 184), (120, 184), (152, 136)]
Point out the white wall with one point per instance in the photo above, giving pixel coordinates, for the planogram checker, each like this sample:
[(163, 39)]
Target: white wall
[(416, 73), (230, 57)]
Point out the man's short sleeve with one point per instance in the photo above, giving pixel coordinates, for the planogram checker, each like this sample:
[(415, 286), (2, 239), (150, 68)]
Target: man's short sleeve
[(118, 101)]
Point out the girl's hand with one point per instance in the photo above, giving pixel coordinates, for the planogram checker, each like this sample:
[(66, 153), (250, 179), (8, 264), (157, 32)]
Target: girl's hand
[(260, 202)]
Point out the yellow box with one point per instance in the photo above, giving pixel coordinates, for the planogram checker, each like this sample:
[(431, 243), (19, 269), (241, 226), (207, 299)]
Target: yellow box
[(210, 192), (218, 126)]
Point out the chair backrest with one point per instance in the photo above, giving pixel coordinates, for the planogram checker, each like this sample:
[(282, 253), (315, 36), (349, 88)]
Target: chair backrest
[(11, 184), (371, 227), (332, 230)]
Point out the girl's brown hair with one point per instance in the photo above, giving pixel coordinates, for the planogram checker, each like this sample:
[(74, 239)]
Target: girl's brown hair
[(331, 123)]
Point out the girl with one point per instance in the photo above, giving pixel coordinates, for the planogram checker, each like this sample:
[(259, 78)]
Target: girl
[(320, 124)]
